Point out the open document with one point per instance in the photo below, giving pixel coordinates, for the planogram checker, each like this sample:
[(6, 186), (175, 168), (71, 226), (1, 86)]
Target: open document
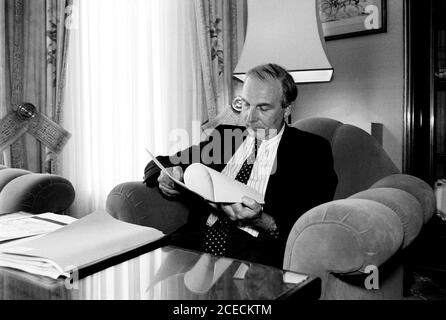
[(21, 224), (82, 243), (212, 185)]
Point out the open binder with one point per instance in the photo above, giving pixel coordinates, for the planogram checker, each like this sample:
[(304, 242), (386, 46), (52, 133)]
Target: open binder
[(83, 243)]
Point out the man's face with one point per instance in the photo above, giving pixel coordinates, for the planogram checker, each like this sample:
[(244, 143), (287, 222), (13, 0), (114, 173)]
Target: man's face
[(262, 107)]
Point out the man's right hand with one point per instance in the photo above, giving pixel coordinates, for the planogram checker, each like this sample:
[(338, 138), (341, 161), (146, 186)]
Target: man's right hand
[(167, 186)]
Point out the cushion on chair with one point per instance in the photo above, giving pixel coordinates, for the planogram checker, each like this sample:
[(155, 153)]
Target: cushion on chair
[(403, 204), (343, 236), (413, 185)]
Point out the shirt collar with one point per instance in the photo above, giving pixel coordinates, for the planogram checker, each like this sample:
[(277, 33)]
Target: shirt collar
[(274, 139)]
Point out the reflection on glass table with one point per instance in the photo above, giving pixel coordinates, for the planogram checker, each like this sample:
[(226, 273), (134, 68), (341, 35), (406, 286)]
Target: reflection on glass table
[(167, 273)]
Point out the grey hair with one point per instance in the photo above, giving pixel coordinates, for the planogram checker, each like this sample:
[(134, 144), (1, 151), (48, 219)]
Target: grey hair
[(276, 72)]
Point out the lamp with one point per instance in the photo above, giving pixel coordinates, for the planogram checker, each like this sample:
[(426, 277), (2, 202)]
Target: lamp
[(287, 33)]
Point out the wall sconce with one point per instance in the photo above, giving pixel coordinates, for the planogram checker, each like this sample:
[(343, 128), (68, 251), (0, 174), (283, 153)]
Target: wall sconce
[(288, 33)]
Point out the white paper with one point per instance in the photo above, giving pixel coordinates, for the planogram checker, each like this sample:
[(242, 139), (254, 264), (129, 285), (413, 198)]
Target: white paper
[(89, 240), (20, 226), (212, 185), (15, 215), (163, 169)]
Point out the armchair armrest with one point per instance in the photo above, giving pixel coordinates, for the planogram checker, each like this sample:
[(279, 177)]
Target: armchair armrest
[(339, 239), (414, 186), (343, 236), (35, 193), (136, 203)]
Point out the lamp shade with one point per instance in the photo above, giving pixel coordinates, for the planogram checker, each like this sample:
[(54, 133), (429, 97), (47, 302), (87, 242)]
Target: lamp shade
[(287, 33)]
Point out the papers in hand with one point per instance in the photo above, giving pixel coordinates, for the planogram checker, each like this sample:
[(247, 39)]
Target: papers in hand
[(84, 242), (212, 185)]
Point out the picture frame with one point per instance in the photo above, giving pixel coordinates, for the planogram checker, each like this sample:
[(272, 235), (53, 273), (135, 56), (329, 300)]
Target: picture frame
[(351, 18)]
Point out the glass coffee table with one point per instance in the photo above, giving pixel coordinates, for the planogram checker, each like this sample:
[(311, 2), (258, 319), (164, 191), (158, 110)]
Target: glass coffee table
[(167, 273)]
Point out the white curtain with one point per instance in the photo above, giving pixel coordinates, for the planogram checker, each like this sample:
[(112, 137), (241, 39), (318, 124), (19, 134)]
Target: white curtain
[(133, 78)]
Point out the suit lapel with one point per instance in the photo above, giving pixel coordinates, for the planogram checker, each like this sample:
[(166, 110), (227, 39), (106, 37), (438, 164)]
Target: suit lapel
[(275, 179)]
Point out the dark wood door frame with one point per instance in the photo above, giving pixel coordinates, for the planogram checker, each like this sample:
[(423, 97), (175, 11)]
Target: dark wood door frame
[(418, 140)]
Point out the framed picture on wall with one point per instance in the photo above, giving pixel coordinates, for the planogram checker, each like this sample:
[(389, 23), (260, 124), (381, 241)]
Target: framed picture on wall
[(351, 18)]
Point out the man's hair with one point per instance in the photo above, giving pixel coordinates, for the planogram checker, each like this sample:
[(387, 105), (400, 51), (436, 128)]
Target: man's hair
[(276, 72)]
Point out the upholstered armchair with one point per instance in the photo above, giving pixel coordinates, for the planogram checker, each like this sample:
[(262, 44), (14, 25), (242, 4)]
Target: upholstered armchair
[(376, 214), (22, 190)]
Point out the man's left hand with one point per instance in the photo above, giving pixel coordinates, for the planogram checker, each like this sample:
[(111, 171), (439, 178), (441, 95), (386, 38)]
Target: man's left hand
[(248, 209)]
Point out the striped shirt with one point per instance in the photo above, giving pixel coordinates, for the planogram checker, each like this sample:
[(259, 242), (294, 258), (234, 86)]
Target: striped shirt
[(262, 169)]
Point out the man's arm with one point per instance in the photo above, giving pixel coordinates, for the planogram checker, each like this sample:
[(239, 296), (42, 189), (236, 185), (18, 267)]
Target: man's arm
[(314, 183), (181, 159)]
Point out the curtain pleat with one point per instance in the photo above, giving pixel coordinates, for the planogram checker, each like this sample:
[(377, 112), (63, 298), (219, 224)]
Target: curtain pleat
[(16, 45), (221, 31), (35, 43), (58, 23), (204, 18)]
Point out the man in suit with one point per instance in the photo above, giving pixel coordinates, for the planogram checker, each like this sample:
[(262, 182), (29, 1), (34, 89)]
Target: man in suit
[(291, 168)]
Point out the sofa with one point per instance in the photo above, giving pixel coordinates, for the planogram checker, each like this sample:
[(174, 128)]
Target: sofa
[(356, 243), (22, 190)]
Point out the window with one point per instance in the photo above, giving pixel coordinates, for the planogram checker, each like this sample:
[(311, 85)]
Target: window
[(133, 76)]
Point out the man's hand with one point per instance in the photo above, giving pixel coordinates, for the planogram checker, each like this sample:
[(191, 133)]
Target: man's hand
[(167, 185), (251, 210), (248, 209)]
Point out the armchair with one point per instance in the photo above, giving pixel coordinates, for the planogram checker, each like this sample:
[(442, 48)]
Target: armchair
[(22, 190), (376, 213)]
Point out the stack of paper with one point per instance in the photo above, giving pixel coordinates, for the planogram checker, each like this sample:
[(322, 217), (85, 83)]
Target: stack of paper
[(84, 242)]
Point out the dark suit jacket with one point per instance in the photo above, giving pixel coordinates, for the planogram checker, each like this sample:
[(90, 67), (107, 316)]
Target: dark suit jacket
[(303, 177)]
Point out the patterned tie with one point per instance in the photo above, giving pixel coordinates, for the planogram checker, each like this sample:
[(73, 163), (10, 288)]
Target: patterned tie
[(215, 237)]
